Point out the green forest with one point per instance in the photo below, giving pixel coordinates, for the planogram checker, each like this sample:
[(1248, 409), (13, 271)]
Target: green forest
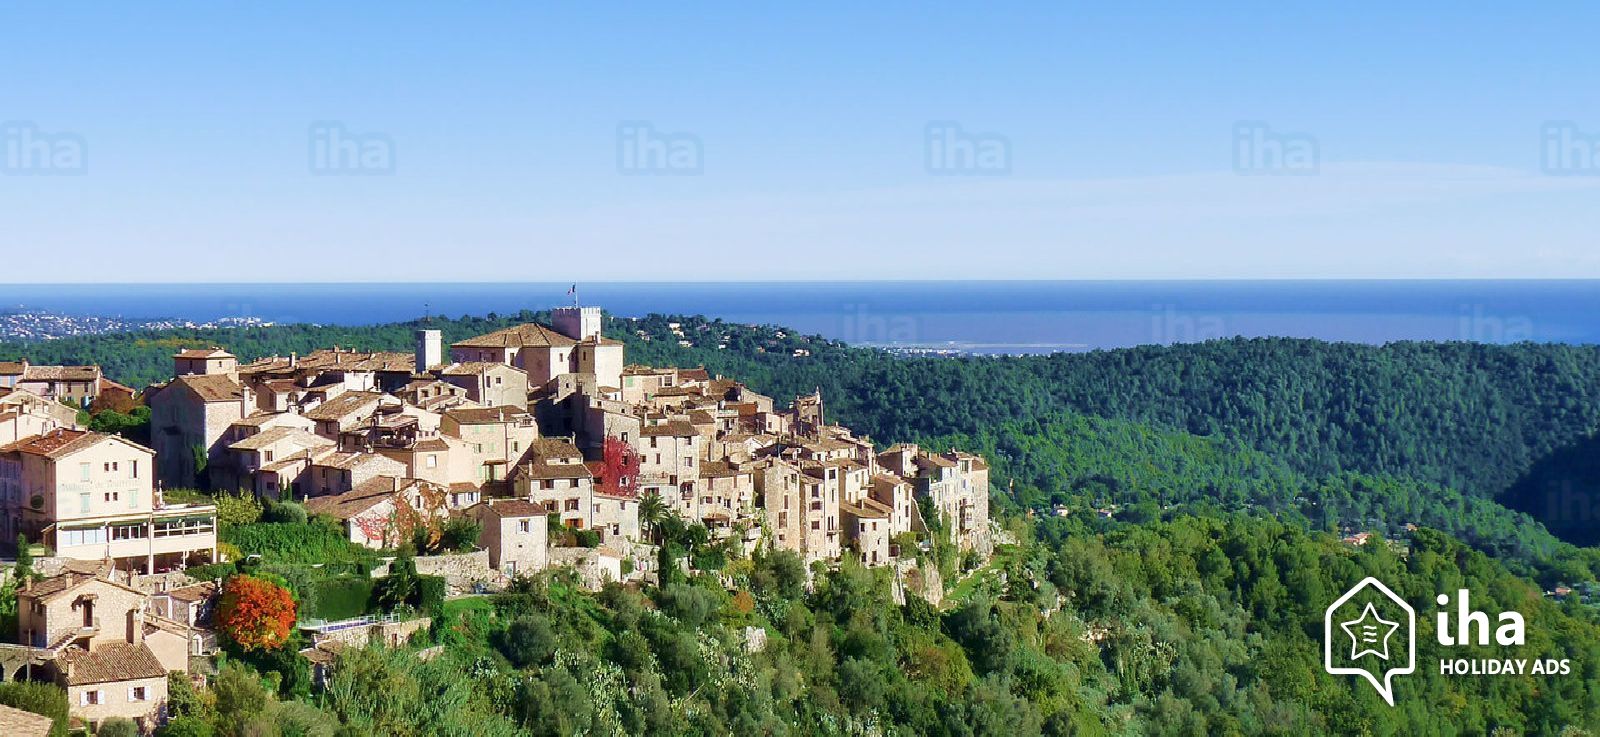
[(1178, 515)]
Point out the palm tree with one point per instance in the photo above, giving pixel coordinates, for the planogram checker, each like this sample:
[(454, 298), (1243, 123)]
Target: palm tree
[(651, 511)]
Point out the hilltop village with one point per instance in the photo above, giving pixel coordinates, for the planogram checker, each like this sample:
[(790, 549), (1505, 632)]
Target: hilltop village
[(559, 452)]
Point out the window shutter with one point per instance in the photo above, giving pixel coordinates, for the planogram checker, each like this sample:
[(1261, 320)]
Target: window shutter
[(130, 694)]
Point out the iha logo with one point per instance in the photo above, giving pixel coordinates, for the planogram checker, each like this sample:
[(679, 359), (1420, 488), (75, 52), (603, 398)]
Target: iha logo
[(1371, 632), (1370, 637)]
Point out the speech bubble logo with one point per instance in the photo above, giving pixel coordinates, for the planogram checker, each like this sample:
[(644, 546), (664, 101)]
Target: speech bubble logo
[(1368, 639)]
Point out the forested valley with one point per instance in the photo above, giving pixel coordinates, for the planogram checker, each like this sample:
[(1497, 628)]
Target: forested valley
[(1179, 516)]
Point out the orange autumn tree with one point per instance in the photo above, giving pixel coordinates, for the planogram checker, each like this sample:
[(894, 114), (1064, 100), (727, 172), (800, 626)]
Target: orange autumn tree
[(255, 613)]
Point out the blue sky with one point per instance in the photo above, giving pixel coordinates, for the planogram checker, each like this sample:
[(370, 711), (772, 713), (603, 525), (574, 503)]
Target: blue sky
[(499, 142)]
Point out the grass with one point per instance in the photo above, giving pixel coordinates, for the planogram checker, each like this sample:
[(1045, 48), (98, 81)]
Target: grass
[(988, 573)]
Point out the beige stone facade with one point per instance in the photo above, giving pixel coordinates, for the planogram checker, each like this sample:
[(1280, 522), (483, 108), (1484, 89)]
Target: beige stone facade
[(91, 496)]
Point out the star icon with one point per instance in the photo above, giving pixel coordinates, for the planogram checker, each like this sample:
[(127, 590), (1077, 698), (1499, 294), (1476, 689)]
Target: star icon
[(1369, 634)]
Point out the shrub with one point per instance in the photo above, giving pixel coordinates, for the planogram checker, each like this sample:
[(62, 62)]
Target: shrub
[(342, 597), (687, 603), (39, 698), (284, 513), (528, 641), (212, 571), (430, 594), (186, 727), (321, 541), (117, 727), (459, 535), (237, 509)]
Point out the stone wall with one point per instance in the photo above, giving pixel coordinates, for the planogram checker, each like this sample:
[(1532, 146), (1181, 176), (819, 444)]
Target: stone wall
[(462, 572)]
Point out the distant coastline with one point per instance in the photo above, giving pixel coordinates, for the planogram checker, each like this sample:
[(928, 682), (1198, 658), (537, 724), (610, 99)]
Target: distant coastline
[(908, 316)]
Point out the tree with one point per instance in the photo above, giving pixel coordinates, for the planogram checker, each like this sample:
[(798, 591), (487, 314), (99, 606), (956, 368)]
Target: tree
[(237, 509), (39, 698), (651, 511), (400, 587), (242, 699), (24, 558), (528, 641), (255, 614)]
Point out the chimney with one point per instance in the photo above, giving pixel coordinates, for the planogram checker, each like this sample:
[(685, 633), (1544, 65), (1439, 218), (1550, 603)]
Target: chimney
[(430, 350), (294, 360)]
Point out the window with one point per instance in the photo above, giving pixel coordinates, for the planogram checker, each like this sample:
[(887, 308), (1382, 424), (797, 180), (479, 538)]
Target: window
[(89, 698), (815, 525), (128, 532), (112, 496), (432, 461), (524, 526), (83, 501), (137, 693), (572, 505), (133, 469), (83, 473), (266, 456)]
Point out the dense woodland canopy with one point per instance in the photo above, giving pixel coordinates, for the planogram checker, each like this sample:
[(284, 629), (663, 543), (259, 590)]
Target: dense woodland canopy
[(1230, 470)]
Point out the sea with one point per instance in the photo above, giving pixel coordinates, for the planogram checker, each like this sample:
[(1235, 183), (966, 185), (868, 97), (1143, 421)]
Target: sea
[(983, 317)]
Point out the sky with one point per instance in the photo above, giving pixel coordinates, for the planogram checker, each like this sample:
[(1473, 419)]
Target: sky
[(340, 142)]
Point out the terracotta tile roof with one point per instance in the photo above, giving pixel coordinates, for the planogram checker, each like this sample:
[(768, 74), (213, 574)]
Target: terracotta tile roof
[(342, 460), (529, 335), (366, 495), (344, 405), (194, 592), (61, 373), (539, 470), (471, 368), (111, 662), (552, 448), (486, 415), (719, 469), (212, 387), (695, 374), (19, 723), (11, 368), (514, 508), (673, 428), (62, 442), (202, 353), (273, 435)]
